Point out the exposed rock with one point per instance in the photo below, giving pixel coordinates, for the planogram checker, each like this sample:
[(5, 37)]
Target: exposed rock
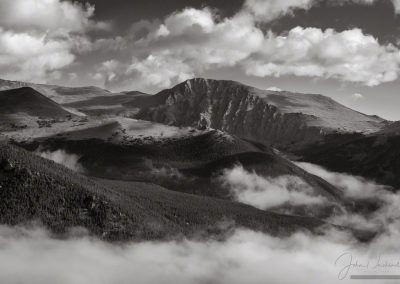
[(281, 119)]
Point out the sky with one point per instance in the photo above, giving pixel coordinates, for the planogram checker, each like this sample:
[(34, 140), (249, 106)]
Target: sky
[(346, 49)]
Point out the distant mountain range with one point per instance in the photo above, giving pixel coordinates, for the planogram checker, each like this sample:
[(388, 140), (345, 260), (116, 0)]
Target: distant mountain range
[(278, 118)]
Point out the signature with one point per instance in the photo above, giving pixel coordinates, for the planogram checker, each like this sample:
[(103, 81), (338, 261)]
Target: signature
[(347, 263)]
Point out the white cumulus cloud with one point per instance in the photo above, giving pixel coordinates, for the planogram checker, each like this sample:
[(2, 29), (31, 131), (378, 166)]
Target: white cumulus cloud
[(357, 96), (190, 42), (348, 56), (38, 38), (185, 44), (267, 10), (47, 15)]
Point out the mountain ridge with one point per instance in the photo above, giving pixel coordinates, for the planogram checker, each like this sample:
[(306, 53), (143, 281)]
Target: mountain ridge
[(30, 101), (276, 118)]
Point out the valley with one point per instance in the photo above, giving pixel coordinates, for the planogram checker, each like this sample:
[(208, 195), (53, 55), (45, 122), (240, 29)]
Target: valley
[(144, 166)]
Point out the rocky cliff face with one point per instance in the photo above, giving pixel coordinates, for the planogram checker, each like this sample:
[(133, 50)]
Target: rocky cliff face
[(280, 119)]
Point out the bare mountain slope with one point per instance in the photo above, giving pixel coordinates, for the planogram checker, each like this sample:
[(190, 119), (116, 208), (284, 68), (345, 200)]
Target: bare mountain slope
[(276, 118), (61, 95), (25, 108), (29, 101)]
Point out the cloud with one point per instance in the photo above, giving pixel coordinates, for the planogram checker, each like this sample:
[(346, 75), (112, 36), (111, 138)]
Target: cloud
[(194, 41), (61, 157), (39, 38), (33, 256), (47, 15), (148, 74), (357, 96), (274, 89), (167, 173), (352, 186), (348, 56), (30, 57), (396, 4), (358, 189), (265, 192), (267, 11), (191, 41)]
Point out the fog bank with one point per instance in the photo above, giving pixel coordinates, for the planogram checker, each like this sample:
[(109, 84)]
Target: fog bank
[(265, 192), (60, 156)]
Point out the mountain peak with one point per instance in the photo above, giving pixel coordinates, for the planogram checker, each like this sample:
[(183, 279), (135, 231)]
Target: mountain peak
[(275, 118), (197, 82)]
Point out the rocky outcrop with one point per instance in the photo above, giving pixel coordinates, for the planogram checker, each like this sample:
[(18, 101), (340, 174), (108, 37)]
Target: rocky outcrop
[(279, 119)]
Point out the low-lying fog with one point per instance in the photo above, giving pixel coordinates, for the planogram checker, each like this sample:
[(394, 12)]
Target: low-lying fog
[(243, 257), (60, 156)]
